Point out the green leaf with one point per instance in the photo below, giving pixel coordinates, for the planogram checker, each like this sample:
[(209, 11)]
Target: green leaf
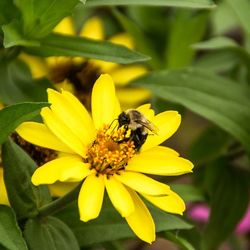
[(241, 9), (17, 84), (171, 3), (11, 235), (13, 35), (24, 197), (141, 41), (224, 43), (223, 12), (62, 45), (186, 28), (114, 226), (40, 17), (228, 204), (219, 42), (216, 98), (211, 144), (10, 11), (183, 243), (188, 192), (12, 116), (49, 233), (218, 60)]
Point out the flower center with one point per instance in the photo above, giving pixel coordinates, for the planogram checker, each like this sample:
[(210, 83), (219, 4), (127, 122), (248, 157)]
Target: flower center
[(82, 76), (111, 151)]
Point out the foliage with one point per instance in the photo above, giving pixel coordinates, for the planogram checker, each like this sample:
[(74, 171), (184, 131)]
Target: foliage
[(196, 54)]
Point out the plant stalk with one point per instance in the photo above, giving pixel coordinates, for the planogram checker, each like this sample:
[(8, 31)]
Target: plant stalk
[(60, 203)]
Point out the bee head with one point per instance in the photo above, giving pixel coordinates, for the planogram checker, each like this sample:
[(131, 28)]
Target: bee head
[(123, 119)]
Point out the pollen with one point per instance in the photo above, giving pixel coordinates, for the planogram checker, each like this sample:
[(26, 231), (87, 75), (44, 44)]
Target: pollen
[(111, 151)]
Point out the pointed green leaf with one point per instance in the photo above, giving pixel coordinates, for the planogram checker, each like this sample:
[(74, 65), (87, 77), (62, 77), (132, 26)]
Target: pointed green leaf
[(23, 196), (17, 84), (13, 36), (62, 45), (229, 200), (40, 17), (49, 233), (10, 234), (223, 102), (172, 3), (12, 116), (114, 226)]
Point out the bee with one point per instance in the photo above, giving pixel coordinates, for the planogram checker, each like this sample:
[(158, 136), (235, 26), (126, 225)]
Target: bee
[(138, 124)]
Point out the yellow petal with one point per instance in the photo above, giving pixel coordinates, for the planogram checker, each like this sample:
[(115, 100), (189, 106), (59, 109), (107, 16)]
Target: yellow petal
[(65, 85), (103, 66), (68, 168), (119, 196), (124, 74), (132, 97), (167, 123), (159, 164), (65, 27), (123, 39), (146, 110), (142, 183), (40, 135), (73, 114), (105, 107), (59, 189), (91, 197), (61, 131), (56, 61), (160, 151), (93, 28), (37, 66), (171, 203), (141, 221), (3, 193)]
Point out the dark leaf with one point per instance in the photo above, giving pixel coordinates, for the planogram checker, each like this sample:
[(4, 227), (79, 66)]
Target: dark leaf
[(17, 85), (114, 226), (229, 201), (24, 197), (11, 235), (49, 233), (62, 45)]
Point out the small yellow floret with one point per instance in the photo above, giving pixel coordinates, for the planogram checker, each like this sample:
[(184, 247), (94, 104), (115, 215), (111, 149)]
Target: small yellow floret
[(110, 151)]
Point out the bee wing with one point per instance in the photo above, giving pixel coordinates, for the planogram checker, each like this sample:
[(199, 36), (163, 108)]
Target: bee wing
[(149, 125)]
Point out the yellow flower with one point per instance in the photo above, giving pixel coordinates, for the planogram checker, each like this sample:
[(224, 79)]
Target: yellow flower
[(59, 68), (105, 157), (3, 193)]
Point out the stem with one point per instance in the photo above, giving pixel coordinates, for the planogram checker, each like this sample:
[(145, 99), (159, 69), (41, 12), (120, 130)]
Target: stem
[(60, 203)]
